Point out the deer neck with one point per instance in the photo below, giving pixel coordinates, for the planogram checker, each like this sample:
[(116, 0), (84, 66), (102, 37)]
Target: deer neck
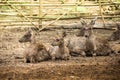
[(61, 47), (91, 34), (33, 40)]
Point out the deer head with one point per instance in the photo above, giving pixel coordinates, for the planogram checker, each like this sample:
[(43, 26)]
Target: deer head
[(118, 26), (116, 34), (87, 28), (59, 40), (29, 36)]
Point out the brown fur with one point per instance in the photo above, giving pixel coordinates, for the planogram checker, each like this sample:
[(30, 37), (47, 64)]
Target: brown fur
[(91, 45), (95, 46), (115, 35), (31, 53), (35, 52), (81, 43), (59, 49), (76, 45), (81, 32), (116, 48), (103, 47)]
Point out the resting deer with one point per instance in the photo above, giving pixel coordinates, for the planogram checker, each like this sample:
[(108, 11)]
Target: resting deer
[(86, 43), (116, 48), (77, 44), (60, 51), (90, 37), (95, 46), (115, 35), (35, 52)]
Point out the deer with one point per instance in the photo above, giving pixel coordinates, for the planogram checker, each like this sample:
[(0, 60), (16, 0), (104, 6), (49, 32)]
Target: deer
[(115, 48), (116, 34), (78, 44), (60, 50), (86, 43), (36, 51), (94, 45), (87, 32)]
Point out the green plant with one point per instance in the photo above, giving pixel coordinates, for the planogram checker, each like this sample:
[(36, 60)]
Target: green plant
[(118, 0), (4, 7), (81, 9)]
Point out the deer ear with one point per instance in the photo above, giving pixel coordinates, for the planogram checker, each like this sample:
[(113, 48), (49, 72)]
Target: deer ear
[(29, 31), (118, 26), (58, 35), (64, 34), (83, 22), (33, 33), (93, 21), (53, 38)]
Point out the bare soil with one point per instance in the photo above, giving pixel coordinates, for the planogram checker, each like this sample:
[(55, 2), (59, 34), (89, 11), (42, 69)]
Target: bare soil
[(12, 66)]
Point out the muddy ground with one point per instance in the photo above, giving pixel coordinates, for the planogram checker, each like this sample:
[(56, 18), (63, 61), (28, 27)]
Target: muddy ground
[(12, 66)]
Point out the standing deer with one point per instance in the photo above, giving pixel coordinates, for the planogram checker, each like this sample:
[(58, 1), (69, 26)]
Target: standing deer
[(35, 52), (60, 51)]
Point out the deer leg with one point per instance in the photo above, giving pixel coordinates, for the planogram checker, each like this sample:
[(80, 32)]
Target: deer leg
[(52, 55), (83, 53), (94, 53), (32, 60), (25, 60), (64, 58), (69, 57), (53, 58)]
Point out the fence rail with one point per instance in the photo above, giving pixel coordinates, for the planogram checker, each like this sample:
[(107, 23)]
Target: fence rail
[(33, 12)]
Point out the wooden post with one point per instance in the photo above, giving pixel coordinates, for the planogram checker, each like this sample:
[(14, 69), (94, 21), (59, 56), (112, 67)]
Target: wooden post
[(82, 1), (101, 12), (40, 14), (31, 8), (20, 13), (76, 6)]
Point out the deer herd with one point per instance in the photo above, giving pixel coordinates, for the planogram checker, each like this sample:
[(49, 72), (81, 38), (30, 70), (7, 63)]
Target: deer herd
[(83, 44)]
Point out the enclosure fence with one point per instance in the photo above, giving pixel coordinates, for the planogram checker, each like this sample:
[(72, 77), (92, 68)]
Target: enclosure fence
[(35, 12)]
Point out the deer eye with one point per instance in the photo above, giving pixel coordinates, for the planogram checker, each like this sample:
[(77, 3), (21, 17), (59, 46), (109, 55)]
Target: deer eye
[(28, 35), (57, 39)]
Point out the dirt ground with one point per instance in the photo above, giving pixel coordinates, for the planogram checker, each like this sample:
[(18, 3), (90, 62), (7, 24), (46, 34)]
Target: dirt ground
[(12, 66)]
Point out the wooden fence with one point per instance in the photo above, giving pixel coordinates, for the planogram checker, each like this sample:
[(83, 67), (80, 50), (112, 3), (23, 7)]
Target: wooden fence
[(33, 13)]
